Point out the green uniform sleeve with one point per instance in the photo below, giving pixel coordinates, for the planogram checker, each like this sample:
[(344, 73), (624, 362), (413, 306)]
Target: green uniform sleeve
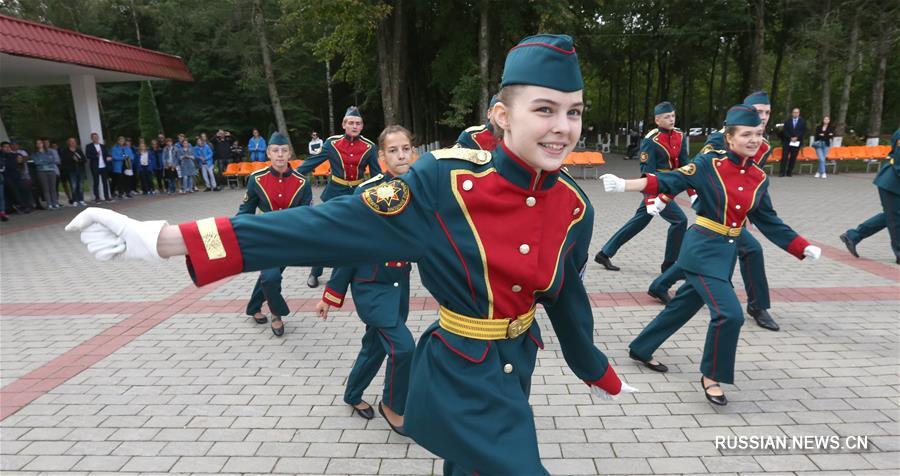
[(337, 285), (306, 195), (771, 225), (648, 156), (251, 199), (573, 321), (313, 161)]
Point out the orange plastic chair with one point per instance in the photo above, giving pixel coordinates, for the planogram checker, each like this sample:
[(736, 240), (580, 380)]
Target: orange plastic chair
[(776, 154), (838, 153), (295, 163), (808, 153), (232, 169), (246, 169), (878, 151)]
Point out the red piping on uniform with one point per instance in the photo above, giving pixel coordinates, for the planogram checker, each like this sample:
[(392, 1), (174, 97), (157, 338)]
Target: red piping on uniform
[(533, 338), (458, 254), (393, 364), (547, 45), (718, 327), (460, 353)]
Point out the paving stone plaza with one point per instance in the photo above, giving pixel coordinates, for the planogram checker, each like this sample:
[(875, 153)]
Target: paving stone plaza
[(127, 367)]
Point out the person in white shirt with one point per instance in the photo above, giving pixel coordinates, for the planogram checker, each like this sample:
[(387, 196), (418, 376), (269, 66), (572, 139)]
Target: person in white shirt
[(315, 144)]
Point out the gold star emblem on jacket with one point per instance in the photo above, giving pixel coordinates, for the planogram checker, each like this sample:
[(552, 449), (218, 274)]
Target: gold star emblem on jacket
[(389, 198)]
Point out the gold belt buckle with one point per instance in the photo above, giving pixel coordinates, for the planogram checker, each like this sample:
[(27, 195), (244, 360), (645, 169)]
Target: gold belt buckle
[(516, 328)]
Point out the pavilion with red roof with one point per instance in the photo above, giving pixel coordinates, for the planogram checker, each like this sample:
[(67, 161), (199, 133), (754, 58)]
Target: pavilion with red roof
[(34, 54)]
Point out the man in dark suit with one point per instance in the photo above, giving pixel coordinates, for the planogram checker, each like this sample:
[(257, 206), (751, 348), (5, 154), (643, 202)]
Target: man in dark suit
[(100, 161), (792, 140)]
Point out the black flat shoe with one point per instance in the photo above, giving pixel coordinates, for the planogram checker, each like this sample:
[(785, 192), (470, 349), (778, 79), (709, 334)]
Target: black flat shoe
[(603, 260), (312, 281), (762, 317), (657, 367), (261, 320), (278, 331), (397, 429), (715, 399), (661, 297), (851, 246), (366, 413)]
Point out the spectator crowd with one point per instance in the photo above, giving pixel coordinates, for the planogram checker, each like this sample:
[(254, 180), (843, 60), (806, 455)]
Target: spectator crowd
[(31, 180)]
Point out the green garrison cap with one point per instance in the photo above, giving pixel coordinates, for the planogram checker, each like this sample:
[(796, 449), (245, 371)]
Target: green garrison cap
[(742, 115), (544, 60), (352, 111), (757, 97), (278, 139), (663, 108)]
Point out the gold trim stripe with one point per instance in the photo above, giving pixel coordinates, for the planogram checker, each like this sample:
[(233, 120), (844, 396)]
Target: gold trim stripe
[(346, 183), (485, 329), (717, 227), (209, 233), (333, 299)]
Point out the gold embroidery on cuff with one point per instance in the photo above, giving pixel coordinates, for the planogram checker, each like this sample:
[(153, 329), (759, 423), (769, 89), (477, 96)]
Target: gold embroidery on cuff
[(209, 233)]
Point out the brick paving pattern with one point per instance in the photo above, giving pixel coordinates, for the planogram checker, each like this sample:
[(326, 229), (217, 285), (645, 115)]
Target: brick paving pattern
[(126, 367)]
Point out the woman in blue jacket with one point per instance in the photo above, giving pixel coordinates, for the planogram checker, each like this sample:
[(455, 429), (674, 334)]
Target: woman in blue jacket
[(122, 160), (204, 155), (257, 147)]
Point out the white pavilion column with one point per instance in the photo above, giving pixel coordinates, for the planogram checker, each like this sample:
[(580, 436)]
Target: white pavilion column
[(3, 134), (87, 109)]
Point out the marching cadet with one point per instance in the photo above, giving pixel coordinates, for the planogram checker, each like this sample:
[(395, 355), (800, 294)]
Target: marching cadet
[(381, 296), (888, 182), (451, 213), (730, 188), (750, 252), (481, 137), (662, 149), (276, 187), (348, 154)]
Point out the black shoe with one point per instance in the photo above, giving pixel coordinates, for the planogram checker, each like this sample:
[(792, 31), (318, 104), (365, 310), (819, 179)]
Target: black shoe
[(763, 318), (602, 259), (208, 190), (851, 246), (398, 430), (260, 320), (278, 331), (366, 413), (661, 297), (312, 281), (715, 399), (657, 367)]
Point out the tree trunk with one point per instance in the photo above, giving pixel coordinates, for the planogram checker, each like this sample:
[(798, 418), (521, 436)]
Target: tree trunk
[(398, 70), (759, 36), (328, 82), (649, 78), (723, 82), (632, 98), (849, 68), (825, 63), (484, 58), (881, 54), (780, 40), (710, 86), (383, 40), (259, 23)]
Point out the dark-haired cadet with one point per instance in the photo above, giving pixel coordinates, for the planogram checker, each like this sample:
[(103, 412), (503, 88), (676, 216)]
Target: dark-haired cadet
[(730, 188)]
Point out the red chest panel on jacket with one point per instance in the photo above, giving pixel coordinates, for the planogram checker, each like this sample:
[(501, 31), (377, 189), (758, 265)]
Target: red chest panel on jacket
[(351, 153), (671, 142), (740, 186), (520, 235), (280, 191)]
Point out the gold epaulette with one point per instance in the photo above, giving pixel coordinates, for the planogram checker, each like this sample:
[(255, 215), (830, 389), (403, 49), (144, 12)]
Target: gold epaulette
[(708, 148), (260, 171), (479, 157), (371, 180), (479, 127), (650, 134)]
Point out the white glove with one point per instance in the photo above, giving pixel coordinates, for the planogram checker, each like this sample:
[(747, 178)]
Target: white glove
[(656, 207), (611, 183), (603, 395), (694, 198), (813, 252), (108, 234)]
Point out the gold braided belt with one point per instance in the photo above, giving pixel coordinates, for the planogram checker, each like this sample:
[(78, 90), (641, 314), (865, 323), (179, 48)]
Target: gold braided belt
[(485, 329), (346, 183), (717, 227)]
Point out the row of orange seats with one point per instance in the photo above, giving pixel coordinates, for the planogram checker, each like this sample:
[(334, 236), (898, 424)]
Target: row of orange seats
[(584, 158), (852, 152)]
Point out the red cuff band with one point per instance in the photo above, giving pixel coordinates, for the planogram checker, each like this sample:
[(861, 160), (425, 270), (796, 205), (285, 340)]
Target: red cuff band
[(649, 201), (332, 297), (797, 246), (609, 382), (213, 250), (691, 192), (652, 187), (665, 198)]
